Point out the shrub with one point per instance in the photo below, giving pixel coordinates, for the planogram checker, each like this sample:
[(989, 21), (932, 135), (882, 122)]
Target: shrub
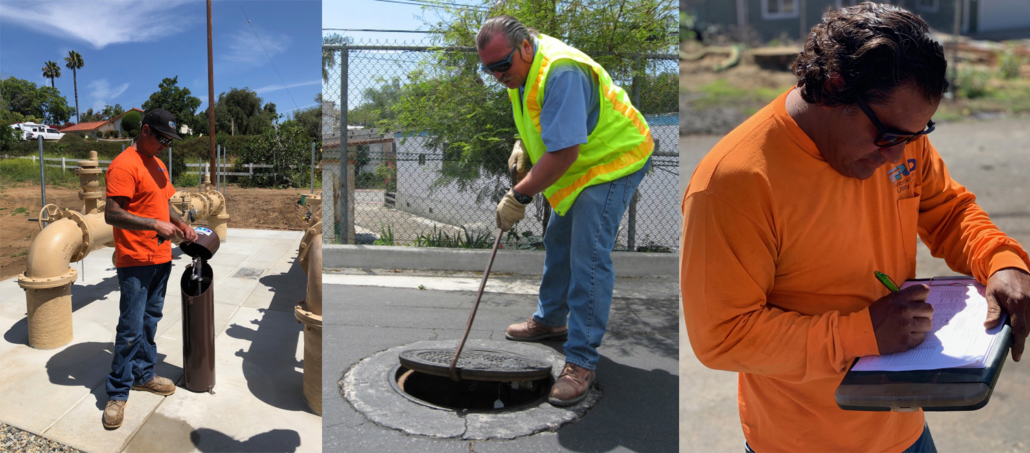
[(971, 83), (1009, 63), (130, 123)]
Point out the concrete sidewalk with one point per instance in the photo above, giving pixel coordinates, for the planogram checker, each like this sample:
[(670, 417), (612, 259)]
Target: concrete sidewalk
[(257, 402), (371, 311)]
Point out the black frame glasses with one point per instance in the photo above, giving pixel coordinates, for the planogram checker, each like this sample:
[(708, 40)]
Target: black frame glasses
[(160, 138), (501, 66), (888, 137)]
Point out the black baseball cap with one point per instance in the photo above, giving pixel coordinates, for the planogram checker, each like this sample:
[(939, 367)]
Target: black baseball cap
[(161, 120)]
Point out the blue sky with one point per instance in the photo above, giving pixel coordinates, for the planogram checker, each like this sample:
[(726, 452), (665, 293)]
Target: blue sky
[(129, 46)]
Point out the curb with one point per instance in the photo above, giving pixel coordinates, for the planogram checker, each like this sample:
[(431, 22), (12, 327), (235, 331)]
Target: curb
[(526, 262)]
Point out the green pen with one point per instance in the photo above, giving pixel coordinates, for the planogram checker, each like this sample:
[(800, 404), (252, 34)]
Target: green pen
[(886, 280)]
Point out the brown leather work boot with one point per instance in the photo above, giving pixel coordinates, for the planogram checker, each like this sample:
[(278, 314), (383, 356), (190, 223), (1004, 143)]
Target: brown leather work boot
[(114, 413), (534, 331), (572, 385), (159, 385)]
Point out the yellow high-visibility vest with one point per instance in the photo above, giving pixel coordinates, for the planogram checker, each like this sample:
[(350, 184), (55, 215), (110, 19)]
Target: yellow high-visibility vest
[(619, 145)]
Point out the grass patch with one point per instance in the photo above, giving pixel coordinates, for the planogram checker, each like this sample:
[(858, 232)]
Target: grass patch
[(21, 210), (186, 180), (17, 171), (721, 93), (23, 253)]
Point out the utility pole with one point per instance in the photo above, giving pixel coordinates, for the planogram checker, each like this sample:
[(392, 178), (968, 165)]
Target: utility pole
[(211, 91)]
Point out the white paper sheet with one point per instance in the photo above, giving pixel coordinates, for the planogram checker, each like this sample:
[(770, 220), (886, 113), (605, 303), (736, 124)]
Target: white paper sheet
[(958, 338)]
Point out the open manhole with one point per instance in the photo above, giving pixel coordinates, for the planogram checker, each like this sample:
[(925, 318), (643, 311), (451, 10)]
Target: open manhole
[(469, 395), (391, 394)]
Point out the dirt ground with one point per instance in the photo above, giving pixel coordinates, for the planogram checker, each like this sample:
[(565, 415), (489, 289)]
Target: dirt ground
[(265, 209)]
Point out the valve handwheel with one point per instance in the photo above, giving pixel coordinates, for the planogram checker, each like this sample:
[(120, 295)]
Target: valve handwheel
[(49, 213)]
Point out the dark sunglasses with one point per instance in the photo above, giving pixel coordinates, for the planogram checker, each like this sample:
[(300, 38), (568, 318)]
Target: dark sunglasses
[(887, 137), (501, 66), (161, 138)]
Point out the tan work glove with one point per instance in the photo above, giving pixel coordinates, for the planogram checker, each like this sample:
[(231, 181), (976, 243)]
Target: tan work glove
[(520, 160), (509, 211)]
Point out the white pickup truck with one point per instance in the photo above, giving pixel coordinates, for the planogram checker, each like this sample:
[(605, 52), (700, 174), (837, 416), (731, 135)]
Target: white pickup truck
[(31, 131)]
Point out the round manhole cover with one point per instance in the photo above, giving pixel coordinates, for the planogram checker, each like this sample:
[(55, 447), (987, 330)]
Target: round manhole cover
[(369, 387), (476, 364)]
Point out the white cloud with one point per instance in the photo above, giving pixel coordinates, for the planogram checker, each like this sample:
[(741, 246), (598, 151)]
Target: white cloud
[(101, 92), (101, 23), (245, 49), (277, 87)]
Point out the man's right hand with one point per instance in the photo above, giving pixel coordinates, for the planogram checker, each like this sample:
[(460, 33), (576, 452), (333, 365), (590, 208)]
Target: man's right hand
[(520, 160), (902, 319), (167, 230)]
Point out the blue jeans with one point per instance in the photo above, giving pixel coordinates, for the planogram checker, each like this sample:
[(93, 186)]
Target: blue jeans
[(578, 275), (924, 444), (142, 300)]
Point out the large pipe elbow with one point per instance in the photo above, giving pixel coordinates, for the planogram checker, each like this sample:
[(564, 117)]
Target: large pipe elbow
[(51, 252)]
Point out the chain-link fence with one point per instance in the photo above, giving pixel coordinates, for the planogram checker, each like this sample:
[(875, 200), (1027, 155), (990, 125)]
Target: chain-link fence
[(415, 188)]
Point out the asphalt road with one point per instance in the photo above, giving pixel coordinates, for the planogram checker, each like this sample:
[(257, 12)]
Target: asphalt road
[(992, 159)]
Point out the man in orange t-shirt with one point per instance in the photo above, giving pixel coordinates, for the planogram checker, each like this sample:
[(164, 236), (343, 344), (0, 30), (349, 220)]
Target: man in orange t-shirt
[(138, 193), (786, 219)]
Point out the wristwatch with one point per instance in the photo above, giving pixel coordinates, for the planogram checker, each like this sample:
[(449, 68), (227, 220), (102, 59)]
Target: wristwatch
[(524, 199)]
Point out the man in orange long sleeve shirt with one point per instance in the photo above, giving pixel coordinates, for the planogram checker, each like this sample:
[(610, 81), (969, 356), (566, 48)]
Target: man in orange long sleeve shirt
[(786, 219)]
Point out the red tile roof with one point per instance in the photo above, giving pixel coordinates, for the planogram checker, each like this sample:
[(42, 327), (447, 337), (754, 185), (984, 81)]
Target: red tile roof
[(91, 125), (85, 126)]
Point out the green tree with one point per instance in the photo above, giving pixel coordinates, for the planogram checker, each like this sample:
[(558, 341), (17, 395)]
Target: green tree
[(377, 104), (241, 109), (74, 62), (131, 123), (21, 100), (111, 112), (468, 116), (329, 56), (311, 119), (287, 148), (177, 100), (51, 71)]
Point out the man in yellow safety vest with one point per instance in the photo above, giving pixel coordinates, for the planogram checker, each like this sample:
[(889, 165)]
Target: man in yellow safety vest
[(589, 149)]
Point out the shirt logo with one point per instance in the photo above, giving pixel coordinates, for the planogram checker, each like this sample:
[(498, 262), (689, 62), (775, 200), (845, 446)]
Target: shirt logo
[(901, 176), (899, 172)]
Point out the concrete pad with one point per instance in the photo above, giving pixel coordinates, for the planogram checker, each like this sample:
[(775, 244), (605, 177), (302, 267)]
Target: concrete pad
[(60, 393), (231, 419), (83, 429), (41, 385)]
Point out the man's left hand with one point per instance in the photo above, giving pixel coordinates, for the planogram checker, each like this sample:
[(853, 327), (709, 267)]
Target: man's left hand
[(1008, 290), (188, 233), (509, 211)]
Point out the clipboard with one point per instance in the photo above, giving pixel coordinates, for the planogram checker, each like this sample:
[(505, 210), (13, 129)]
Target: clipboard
[(946, 389)]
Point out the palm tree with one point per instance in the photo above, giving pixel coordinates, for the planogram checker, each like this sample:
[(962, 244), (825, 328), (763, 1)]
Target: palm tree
[(74, 62), (51, 71)]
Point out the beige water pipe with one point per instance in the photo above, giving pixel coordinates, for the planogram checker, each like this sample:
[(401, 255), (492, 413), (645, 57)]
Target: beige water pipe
[(208, 203), (309, 311), (48, 276)]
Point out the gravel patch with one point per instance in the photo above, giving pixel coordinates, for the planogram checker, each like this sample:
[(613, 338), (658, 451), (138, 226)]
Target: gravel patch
[(14, 440)]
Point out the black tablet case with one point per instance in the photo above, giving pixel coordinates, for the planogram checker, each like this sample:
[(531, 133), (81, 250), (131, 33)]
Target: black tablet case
[(947, 389)]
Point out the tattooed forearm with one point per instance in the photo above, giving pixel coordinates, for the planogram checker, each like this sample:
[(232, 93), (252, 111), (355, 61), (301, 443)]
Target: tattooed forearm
[(174, 215), (115, 216)]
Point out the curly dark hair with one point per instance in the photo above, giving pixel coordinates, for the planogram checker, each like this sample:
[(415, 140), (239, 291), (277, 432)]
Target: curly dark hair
[(873, 48)]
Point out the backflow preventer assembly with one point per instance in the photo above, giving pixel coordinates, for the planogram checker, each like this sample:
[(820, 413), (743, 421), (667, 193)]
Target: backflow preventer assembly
[(68, 236)]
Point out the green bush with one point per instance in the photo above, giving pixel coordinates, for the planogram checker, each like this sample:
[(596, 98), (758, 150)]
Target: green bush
[(1009, 63), (972, 83), (131, 122)]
